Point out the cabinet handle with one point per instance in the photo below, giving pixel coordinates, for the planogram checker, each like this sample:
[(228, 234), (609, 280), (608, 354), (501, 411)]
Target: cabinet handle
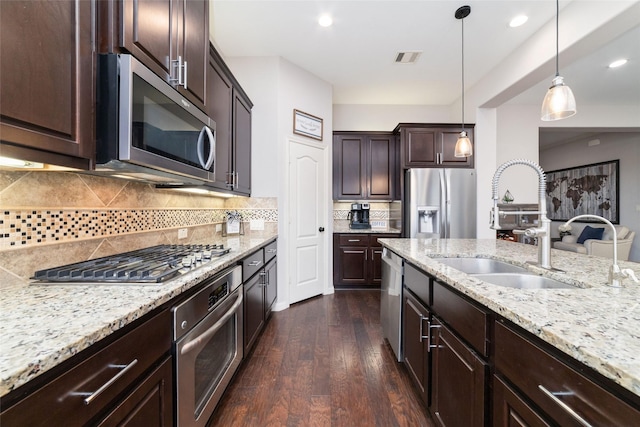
[(271, 251), (560, 403), (429, 345), (264, 276), (354, 240), (92, 396), (254, 263), (355, 252), (182, 75), (185, 75), (422, 319)]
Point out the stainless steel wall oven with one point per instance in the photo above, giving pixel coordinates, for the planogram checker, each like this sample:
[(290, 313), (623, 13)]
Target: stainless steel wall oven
[(207, 346)]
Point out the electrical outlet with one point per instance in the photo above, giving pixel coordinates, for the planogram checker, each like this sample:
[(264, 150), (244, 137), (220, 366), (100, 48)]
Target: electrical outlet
[(218, 227), (256, 224), (182, 233)]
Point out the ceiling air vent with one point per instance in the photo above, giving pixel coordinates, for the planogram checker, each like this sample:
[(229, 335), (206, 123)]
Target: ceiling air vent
[(407, 57)]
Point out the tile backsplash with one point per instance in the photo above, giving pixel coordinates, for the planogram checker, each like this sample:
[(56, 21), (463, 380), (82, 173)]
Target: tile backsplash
[(387, 213), (80, 217)]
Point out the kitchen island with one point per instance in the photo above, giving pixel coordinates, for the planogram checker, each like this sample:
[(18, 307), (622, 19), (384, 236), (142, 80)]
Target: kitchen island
[(41, 326), (593, 323)]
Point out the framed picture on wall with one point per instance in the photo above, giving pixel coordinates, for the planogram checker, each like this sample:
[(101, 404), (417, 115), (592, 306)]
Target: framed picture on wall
[(589, 189), (307, 125)]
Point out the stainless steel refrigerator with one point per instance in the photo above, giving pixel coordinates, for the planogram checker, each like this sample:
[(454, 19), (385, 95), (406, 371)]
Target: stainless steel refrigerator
[(440, 203)]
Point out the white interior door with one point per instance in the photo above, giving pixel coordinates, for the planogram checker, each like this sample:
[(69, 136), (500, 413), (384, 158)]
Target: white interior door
[(307, 195)]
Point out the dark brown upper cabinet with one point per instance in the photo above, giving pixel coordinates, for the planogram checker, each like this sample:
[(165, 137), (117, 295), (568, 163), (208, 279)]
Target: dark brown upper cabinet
[(230, 107), (365, 166), (171, 37), (432, 146), (47, 78)]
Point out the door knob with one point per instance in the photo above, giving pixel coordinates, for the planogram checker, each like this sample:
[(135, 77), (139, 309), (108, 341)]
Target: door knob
[(321, 229)]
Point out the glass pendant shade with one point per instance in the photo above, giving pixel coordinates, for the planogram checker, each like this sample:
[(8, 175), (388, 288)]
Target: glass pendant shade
[(463, 146), (559, 102)]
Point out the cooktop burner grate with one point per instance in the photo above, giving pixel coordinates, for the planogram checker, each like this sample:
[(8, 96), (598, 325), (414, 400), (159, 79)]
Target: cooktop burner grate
[(156, 264)]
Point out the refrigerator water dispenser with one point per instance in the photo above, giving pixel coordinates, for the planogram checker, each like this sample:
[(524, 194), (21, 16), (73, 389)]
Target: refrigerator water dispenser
[(429, 220)]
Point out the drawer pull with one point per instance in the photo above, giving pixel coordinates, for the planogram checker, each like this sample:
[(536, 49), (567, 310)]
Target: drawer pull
[(92, 396), (567, 408), (271, 251), (429, 345), (254, 263), (354, 240)]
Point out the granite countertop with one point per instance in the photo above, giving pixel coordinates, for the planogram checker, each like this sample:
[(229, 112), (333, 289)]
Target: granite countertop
[(595, 324), (344, 228), (43, 325)]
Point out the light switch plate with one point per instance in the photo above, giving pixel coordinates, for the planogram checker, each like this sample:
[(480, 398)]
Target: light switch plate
[(256, 224), (218, 227), (182, 233), (378, 224)]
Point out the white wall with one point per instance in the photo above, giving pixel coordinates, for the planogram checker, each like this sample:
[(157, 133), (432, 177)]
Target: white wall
[(622, 146), (262, 89), (518, 134), (277, 87), (386, 117)]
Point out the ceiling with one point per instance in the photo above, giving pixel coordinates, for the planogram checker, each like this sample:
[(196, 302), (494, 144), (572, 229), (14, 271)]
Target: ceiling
[(356, 54)]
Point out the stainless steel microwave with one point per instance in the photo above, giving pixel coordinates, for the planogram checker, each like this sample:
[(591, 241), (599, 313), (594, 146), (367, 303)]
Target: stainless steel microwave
[(146, 130)]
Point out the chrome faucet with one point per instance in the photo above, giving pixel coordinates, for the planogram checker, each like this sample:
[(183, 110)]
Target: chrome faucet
[(616, 275), (543, 231)]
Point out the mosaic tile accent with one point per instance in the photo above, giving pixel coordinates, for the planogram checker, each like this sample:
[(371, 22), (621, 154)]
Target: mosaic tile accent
[(373, 214), (20, 228)]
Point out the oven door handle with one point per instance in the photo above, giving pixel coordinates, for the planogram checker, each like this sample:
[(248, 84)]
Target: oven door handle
[(196, 342)]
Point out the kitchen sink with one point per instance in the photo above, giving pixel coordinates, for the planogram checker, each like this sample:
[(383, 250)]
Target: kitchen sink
[(522, 281), (481, 265), (502, 273)]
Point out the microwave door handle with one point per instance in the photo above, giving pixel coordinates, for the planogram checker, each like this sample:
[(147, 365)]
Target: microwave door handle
[(212, 148)]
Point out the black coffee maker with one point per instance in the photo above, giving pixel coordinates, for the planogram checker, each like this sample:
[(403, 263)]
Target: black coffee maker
[(359, 216)]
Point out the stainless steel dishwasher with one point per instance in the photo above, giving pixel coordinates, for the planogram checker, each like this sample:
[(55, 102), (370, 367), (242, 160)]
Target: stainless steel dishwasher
[(391, 301)]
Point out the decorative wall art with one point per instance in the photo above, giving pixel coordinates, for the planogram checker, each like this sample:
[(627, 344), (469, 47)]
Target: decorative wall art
[(590, 189), (307, 125)]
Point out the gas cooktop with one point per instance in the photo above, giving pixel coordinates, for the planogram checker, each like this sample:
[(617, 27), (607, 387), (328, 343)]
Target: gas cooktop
[(153, 265)]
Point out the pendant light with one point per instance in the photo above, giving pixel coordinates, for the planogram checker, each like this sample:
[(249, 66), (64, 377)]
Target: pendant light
[(463, 145), (559, 102)]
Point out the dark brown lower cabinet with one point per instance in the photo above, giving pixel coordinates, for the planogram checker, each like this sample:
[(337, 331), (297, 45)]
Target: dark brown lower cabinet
[(270, 287), (253, 311), (563, 393), (357, 259), (510, 410), (415, 344), (149, 404), (259, 272), (459, 387), (531, 382), (123, 383)]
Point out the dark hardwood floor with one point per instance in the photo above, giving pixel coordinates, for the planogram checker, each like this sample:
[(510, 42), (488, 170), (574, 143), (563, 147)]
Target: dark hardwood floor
[(323, 362)]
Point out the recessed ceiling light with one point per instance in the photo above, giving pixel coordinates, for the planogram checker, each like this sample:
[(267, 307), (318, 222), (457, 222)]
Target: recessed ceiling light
[(325, 21), (518, 21), (618, 63)]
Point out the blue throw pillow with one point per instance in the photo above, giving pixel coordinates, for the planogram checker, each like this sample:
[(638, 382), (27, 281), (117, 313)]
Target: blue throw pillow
[(590, 233)]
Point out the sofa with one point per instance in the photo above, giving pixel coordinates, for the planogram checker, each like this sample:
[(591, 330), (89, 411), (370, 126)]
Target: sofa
[(602, 246)]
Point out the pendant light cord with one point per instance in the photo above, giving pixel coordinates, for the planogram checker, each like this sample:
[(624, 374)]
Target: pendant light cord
[(462, 74), (557, 37)]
